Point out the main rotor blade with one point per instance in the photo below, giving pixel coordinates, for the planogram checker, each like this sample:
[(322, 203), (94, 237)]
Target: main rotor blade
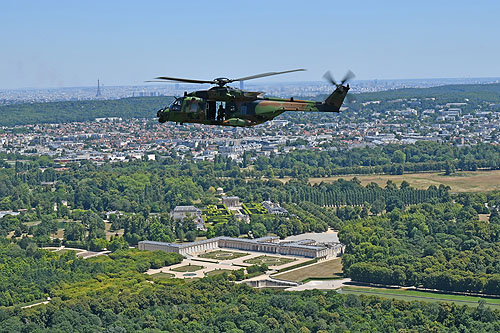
[(348, 76), (183, 80), (251, 77), (328, 76)]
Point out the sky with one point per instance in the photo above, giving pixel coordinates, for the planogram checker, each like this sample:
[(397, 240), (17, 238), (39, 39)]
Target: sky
[(49, 43)]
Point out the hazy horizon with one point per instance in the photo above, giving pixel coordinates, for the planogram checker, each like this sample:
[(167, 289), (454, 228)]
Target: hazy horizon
[(258, 83)]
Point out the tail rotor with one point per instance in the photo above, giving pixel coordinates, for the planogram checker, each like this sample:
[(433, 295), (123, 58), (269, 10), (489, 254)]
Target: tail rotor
[(347, 77), (343, 86)]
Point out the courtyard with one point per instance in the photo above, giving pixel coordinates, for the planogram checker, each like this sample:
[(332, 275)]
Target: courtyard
[(222, 261), (223, 255), (269, 260)]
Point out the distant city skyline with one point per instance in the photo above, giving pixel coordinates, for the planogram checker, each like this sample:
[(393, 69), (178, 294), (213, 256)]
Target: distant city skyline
[(54, 44), (301, 89)]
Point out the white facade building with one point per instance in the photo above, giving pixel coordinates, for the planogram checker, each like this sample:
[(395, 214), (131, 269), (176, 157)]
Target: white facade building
[(270, 244)]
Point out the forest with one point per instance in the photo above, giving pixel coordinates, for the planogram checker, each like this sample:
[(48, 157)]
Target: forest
[(449, 93), (71, 111), (111, 294), (388, 159), (165, 182), (404, 234), (440, 246), (137, 197), (29, 273)]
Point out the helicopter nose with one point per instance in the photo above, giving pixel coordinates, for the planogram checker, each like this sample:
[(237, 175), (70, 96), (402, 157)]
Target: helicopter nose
[(162, 115)]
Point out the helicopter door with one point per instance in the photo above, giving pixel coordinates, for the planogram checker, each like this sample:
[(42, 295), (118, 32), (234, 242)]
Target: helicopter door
[(221, 111), (211, 110)]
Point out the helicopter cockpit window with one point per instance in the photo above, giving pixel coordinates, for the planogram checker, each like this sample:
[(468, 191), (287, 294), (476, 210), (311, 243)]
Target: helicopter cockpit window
[(193, 107), (176, 105)]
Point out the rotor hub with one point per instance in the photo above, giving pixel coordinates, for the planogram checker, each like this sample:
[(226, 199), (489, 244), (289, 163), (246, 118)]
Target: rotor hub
[(222, 81)]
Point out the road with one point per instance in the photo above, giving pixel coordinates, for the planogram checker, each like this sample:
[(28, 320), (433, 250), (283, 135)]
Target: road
[(424, 298), (39, 303), (85, 254), (320, 284)]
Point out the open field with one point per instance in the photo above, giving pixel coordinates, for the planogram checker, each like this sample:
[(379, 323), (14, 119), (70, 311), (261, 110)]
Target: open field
[(59, 234), (187, 268), (324, 269), (413, 295), (470, 181), (222, 255), (113, 233), (484, 217), (321, 237), (218, 271), (269, 260)]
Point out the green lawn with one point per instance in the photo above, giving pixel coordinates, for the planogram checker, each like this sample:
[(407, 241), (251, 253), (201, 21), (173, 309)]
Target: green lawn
[(222, 255), (324, 269), (66, 250), (163, 275), (31, 224), (187, 268), (269, 260), (413, 295), (218, 271)]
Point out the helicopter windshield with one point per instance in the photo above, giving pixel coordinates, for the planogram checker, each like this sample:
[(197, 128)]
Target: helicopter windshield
[(176, 105)]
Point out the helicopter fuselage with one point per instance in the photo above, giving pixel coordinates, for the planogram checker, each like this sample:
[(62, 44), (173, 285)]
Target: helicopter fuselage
[(226, 106)]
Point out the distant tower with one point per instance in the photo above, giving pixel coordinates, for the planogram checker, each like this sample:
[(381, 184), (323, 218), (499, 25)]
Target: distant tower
[(242, 85), (98, 89)]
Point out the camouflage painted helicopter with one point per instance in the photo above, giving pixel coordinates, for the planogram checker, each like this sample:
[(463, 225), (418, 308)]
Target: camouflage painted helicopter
[(227, 106)]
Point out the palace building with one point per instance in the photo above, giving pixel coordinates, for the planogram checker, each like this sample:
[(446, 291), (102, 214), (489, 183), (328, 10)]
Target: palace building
[(303, 248)]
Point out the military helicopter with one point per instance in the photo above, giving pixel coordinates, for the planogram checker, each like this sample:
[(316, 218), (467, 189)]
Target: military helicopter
[(227, 106)]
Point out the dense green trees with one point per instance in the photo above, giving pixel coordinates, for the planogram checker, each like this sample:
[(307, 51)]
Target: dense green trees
[(390, 159), (338, 193), (71, 111), (146, 191), (141, 190), (217, 305), (94, 224), (111, 293), (161, 185), (441, 246), (29, 274), (475, 93), (74, 232)]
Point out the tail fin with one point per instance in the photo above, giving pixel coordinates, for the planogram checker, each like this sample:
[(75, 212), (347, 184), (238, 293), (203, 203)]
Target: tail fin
[(334, 101)]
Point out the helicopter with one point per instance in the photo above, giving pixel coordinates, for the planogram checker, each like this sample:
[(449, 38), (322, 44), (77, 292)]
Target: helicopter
[(227, 106)]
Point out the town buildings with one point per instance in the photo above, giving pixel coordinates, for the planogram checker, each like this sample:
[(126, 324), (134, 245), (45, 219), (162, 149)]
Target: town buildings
[(183, 212), (399, 121)]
